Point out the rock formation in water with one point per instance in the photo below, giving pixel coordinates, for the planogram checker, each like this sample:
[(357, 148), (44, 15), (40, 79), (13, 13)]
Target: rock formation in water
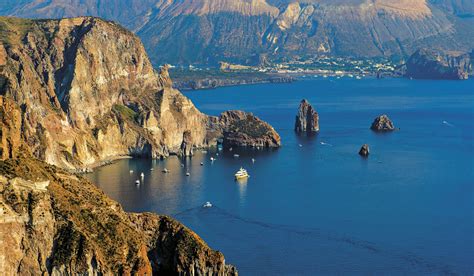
[(382, 123), (58, 223), (435, 64), (80, 91), (364, 150), (307, 119), (242, 129)]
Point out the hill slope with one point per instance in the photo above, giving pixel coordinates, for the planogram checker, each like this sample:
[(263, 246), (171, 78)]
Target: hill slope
[(208, 31)]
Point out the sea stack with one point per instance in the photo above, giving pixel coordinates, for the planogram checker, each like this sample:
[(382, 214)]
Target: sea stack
[(364, 150), (307, 119), (382, 123)]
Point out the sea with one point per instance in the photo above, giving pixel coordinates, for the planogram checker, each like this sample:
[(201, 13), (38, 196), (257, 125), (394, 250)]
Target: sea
[(314, 206)]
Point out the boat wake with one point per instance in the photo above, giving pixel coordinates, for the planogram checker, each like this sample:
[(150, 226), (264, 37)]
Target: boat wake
[(305, 235), (448, 124), (325, 144)]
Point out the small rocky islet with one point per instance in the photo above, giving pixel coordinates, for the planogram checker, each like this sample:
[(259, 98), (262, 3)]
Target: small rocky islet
[(307, 120)]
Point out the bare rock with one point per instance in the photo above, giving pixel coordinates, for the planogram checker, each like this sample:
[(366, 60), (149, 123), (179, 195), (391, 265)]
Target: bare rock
[(56, 223), (307, 119), (237, 128), (364, 150), (382, 123)]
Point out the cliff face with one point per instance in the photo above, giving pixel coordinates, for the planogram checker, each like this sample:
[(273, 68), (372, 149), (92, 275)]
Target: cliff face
[(433, 64), (57, 223), (307, 119), (241, 129), (82, 90), (242, 31)]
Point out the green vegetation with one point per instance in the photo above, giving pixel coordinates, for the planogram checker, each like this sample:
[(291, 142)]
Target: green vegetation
[(13, 30), (250, 126), (124, 112)]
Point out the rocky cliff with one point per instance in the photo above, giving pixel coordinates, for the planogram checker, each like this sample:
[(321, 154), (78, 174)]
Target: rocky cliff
[(307, 119), (57, 223), (241, 129), (242, 31), (79, 91), (435, 64)]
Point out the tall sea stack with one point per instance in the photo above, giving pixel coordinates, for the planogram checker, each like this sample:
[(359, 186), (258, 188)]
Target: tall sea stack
[(307, 119)]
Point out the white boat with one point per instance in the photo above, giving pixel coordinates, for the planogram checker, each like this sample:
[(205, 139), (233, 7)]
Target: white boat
[(137, 182), (242, 173), (131, 171), (151, 169), (142, 175), (253, 160), (212, 159), (207, 205), (165, 170), (202, 164), (236, 155), (188, 174)]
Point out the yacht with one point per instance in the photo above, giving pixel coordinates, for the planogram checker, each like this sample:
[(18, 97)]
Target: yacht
[(242, 173), (207, 205)]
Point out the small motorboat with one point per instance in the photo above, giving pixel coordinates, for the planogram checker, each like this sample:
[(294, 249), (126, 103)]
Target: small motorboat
[(241, 174), (213, 159), (137, 182), (182, 165), (165, 170), (142, 175), (253, 160), (236, 155), (202, 164), (188, 174), (131, 171), (151, 169), (300, 145), (207, 205)]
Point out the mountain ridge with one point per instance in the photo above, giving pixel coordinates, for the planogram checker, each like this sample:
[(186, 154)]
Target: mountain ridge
[(241, 31)]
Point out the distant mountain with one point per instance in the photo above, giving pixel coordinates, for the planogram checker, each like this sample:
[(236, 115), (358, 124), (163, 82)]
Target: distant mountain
[(249, 31)]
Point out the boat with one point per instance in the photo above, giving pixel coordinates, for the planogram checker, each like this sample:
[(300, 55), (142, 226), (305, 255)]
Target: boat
[(151, 169), (131, 171), (165, 170), (188, 174), (202, 164), (212, 159), (236, 155), (142, 175), (137, 182), (207, 205), (242, 173), (253, 160)]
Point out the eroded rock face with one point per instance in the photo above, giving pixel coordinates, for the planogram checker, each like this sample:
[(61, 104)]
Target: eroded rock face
[(84, 91), (307, 119), (434, 64), (57, 223), (382, 123), (364, 150), (241, 129)]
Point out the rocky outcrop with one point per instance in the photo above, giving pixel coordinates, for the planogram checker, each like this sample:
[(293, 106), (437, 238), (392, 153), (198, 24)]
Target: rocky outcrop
[(435, 64), (82, 90), (364, 150), (241, 129), (57, 223), (307, 119), (382, 123)]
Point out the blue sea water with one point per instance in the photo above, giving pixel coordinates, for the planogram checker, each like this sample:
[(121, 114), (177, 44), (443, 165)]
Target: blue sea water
[(314, 206)]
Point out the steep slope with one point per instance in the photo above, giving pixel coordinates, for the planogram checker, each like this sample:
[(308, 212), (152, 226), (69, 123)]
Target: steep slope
[(56, 223), (205, 31), (87, 92)]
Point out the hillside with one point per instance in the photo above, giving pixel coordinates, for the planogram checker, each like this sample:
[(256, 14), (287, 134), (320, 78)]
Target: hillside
[(244, 31)]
